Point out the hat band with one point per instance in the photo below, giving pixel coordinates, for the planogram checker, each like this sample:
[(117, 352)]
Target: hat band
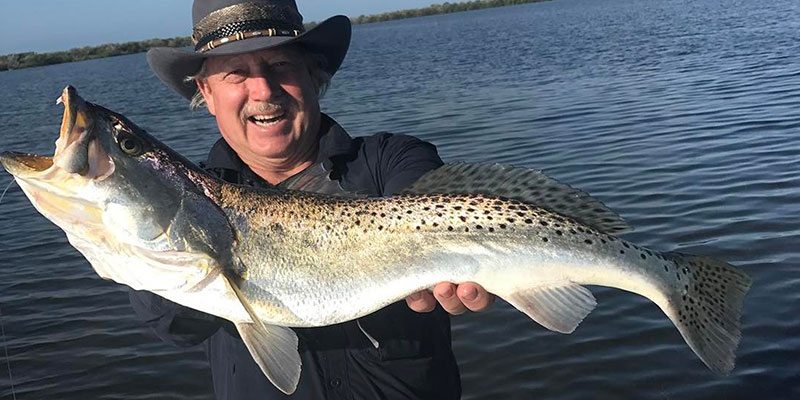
[(207, 44), (245, 20)]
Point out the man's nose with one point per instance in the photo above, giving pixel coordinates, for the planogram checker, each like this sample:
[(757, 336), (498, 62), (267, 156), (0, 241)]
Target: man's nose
[(263, 88)]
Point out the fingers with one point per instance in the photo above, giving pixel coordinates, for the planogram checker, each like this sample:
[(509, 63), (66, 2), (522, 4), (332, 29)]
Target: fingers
[(422, 301), (474, 297), (445, 294), (455, 299)]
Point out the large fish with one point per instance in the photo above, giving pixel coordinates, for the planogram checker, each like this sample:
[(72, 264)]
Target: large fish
[(268, 260)]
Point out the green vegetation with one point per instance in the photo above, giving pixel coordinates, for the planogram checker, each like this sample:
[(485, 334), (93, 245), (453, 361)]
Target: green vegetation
[(31, 59), (443, 8), (25, 60)]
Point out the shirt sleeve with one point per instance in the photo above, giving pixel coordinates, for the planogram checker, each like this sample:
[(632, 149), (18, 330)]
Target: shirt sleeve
[(403, 160), (171, 322)]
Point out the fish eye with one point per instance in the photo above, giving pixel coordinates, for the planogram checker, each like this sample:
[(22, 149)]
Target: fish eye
[(130, 145)]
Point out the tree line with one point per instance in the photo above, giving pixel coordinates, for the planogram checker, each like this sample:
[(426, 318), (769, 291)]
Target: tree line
[(33, 59), (444, 8)]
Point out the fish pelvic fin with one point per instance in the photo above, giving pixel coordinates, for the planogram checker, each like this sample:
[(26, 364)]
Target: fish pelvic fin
[(274, 348), (521, 184), (707, 308), (559, 307)]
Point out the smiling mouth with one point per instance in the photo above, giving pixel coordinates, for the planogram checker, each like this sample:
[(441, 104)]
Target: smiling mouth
[(267, 120)]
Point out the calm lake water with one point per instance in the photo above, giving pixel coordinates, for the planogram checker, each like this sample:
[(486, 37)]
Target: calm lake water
[(682, 116)]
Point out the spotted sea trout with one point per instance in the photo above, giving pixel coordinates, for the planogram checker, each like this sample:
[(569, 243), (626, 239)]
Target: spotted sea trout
[(269, 259)]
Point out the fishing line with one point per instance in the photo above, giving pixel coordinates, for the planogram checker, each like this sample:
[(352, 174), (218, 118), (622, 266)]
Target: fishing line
[(8, 361), (2, 326), (4, 191)]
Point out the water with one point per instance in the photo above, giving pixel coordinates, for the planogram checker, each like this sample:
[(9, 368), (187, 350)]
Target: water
[(681, 115)]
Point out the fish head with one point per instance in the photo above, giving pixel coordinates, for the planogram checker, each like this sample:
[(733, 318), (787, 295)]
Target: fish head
[(136, 209)]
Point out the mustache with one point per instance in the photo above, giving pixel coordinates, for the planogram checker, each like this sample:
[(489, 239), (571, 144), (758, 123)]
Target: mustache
[(268, 107)]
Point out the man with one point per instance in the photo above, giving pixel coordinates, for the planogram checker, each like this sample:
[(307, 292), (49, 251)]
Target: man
[(261, 74)]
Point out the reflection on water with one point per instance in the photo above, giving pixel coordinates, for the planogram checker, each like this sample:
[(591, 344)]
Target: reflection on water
[(679, 115)]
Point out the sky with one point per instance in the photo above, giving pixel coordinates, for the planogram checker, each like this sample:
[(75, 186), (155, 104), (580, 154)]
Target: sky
[(55, 25)]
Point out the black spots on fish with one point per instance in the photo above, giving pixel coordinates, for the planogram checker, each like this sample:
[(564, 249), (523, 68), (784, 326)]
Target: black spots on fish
[(510, 220), (491, 229), (503, 226), (559, 232), (479, 227), (627, 246), (572, 231), (587, 241), (621, 251), (409, 212), (450, 228), (545, 239), (463, 218), (644, 257), (603, 241)]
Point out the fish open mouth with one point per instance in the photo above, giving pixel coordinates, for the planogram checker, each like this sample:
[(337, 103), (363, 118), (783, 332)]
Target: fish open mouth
[(77, 151)]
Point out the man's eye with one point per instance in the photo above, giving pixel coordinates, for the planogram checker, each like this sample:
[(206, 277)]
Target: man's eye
[(236, 75), (281, 64)]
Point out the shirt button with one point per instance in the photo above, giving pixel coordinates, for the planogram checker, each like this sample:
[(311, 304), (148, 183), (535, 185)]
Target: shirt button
[(335, 382)]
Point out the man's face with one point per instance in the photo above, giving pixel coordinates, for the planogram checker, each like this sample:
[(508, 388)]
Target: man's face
[(265, 104)]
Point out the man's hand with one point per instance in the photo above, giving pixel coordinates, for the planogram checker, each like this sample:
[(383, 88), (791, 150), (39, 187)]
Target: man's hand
[(455, 299)]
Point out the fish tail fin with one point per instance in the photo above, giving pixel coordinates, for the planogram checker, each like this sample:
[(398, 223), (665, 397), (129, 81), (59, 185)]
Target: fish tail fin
[(707, 307)]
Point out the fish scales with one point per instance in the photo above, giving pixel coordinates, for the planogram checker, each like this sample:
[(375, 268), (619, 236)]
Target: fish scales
[(334, 242), (272, 259)]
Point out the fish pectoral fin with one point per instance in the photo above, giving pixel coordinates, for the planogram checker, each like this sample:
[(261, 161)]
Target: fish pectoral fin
[(559, 308), (274, 349)]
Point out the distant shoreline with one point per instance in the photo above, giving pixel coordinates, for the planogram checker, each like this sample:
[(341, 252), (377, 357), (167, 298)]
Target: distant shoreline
[(33, 59)]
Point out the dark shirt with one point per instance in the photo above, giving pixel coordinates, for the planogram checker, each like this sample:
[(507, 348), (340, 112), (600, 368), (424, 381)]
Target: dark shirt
[(414, 359)]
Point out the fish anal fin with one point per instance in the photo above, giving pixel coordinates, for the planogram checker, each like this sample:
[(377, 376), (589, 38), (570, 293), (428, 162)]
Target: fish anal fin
[(521, 184), (274, 348), (559, 307)]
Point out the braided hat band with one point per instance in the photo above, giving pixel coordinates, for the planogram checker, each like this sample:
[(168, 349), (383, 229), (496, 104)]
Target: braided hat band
[(243, 21)]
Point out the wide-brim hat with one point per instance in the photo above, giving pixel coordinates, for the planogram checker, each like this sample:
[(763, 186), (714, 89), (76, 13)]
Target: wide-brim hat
[(226, 27)]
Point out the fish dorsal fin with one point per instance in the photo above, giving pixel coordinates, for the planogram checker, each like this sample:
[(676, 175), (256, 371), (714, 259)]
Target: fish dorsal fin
[(274, 348), (559, 308), (522, 184)]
